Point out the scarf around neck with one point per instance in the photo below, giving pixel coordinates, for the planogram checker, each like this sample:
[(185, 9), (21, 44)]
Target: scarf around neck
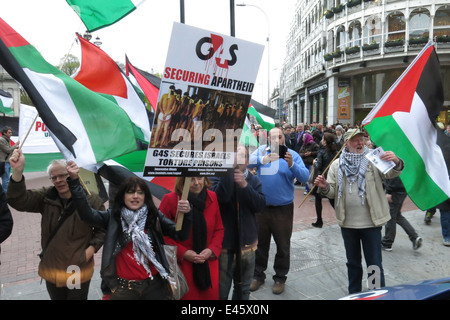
[(133, 223), (354, 167), (201, 272)]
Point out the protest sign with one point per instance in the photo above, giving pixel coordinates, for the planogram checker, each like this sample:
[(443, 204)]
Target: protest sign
[(203, 100)]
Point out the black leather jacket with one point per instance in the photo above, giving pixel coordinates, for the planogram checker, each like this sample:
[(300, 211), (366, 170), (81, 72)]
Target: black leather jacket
[(114, 235)]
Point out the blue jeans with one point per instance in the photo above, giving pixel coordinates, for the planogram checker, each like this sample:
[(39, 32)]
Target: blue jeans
[(370, 238), (228, 273), (5, 176), (445, 224)]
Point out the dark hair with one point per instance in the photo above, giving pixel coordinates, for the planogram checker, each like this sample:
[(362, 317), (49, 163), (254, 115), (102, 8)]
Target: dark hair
[(6, 129), (131, 184), (330, 139), (179, 184)]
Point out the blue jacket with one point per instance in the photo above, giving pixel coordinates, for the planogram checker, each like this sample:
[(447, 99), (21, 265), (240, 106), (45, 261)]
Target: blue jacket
[(276, 177), (251, 200)]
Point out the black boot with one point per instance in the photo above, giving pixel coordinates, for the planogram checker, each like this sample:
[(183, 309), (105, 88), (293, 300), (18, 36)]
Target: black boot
[(318, 223)]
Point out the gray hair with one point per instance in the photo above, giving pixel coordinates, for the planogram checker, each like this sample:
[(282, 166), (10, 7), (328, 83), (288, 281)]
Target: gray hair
[(55, 163)]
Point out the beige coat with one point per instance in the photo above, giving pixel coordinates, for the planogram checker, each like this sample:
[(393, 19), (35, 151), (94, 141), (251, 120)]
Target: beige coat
[(375, 195), (5, 149)]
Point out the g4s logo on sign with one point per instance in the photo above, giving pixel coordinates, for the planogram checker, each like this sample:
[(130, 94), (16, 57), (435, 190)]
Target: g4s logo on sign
[(215, 48)]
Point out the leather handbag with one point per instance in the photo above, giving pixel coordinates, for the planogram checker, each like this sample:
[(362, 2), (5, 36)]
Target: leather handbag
[(177, 281)]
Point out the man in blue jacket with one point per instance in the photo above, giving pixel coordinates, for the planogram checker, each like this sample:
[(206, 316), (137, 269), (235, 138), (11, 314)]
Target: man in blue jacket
[(277, 175), (240, 197)]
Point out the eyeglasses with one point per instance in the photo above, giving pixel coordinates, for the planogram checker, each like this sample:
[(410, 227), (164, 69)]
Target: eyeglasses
[(59, 176)]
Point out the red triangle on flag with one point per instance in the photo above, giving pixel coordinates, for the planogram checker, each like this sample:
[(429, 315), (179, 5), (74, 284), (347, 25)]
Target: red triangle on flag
[(150, 90), (400, 99), (98, 72), (10, 37)]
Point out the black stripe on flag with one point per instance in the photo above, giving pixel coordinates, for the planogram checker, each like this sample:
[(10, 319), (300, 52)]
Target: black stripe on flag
[(430, 88)]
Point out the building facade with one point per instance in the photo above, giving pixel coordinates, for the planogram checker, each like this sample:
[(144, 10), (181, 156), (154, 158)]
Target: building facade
[(343, 55)]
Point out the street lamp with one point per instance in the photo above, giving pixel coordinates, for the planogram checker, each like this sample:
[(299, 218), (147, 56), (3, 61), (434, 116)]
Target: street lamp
[(268, 47), (98, 42)]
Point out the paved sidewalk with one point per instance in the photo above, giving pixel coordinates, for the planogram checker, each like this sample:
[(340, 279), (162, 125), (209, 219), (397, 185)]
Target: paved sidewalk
[(318, 270)]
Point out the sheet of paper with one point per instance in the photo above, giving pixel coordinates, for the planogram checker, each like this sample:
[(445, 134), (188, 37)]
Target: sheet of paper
[(382, 165)]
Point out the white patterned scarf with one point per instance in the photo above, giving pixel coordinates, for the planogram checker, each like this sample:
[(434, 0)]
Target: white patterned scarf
[(133, 223), (354, 166)]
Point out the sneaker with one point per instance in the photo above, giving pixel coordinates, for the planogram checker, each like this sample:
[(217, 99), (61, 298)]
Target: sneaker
[(278, 287), (305, 193), (255, 284), (417, 243), (446, 242), (428, 216), (386, 248)]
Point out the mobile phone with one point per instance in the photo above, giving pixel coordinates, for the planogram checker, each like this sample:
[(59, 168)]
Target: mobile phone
[(282, 152)]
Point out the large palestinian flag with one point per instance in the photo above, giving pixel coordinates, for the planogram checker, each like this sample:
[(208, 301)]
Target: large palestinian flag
[(86, 126), (404, 121), (98, 72)]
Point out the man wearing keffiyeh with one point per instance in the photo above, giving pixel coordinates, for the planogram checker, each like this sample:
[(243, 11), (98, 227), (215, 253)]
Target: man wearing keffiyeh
[(361, 206)]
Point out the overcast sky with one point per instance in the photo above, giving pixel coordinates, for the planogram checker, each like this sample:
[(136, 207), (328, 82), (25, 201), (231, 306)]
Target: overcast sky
[(50, 26)]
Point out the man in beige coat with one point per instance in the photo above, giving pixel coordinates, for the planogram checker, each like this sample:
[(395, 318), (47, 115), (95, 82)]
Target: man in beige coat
[(361, 206)]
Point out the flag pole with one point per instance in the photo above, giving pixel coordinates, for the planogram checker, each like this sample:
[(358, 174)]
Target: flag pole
[(184, 196), (31, 126), (326, 169)]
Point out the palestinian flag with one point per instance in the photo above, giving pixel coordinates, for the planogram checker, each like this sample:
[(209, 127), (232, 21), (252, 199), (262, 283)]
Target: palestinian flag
[(149, 84), (99, 73), (97, 14), (6, 101), (264, 121), (86, 126), (404, 121)]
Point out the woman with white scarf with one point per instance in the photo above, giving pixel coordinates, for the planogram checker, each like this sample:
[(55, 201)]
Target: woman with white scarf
[(361, 206), (134, 266)]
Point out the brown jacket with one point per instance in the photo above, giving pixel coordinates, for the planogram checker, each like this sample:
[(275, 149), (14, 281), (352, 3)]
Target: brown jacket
[(66, 251)]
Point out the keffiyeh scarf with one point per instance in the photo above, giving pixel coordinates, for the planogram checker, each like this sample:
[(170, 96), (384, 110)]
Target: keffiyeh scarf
[(354, 167), (133, 223)]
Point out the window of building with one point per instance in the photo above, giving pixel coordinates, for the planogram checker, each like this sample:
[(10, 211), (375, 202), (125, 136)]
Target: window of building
[(340, 38), (419, 23), (442, 22), (396, 26), (354, 34), (372, 30)]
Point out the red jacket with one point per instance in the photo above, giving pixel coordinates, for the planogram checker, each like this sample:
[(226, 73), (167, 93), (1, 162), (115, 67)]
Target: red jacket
[(215, 234)]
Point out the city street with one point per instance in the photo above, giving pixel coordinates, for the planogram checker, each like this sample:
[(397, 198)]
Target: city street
[(318, 270)]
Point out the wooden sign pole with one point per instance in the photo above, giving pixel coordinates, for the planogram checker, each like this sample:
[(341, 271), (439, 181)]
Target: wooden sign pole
[(184, 196)]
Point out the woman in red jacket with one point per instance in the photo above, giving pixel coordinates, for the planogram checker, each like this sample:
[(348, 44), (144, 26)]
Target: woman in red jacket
[(198, 255)]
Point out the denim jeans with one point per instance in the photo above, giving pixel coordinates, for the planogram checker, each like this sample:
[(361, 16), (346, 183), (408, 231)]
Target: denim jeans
[(5, 176), (370, 238), (228, 273), (445, 224)]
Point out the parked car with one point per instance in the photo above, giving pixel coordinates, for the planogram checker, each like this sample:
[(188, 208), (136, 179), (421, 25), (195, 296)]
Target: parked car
[(437, 289)]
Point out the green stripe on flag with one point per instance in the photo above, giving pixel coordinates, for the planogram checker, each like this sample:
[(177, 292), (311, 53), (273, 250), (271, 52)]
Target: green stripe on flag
[(414, 176), (101, 13), (265, 121)]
